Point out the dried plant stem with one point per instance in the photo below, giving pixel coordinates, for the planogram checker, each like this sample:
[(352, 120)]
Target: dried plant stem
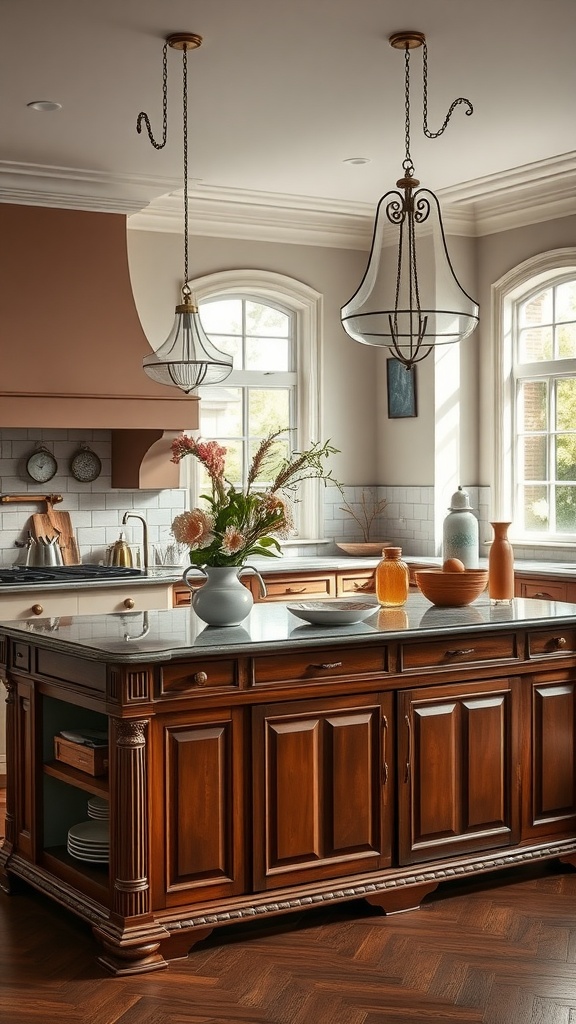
[(369, 511)]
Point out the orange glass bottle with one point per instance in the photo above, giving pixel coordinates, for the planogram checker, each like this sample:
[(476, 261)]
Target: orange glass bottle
[(392, 579)]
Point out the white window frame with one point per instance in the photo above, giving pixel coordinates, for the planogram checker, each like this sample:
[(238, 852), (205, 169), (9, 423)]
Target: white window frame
[(306, 305), (537, 272)]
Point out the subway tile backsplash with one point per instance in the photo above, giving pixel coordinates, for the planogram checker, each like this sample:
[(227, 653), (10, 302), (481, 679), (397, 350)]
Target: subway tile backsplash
[(96, 509)]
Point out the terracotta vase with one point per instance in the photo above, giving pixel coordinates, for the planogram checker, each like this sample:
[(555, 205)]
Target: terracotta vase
[(500, 566)]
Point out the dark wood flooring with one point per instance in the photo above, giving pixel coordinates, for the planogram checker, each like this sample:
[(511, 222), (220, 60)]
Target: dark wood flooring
[(502, 952)]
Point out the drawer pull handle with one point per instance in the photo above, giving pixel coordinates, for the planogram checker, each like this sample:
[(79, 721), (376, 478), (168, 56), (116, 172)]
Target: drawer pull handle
[(292, 590), (384, 738), (542, 593), (129, 603), (328, 664), (37, 609), (558, 642), (200, 678), (459, 652), (409, 751)]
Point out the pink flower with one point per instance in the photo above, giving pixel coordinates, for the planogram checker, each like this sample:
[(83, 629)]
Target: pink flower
[(233, 540), (209, 453), (193, 528)]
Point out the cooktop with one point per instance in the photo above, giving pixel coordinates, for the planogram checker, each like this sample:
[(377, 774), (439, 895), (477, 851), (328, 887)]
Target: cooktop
[(24, 575)]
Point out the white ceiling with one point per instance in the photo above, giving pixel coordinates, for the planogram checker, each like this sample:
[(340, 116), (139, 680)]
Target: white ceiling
[(281, 94)]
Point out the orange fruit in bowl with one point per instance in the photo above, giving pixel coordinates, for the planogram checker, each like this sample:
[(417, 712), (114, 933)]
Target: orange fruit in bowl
[(453, 565)]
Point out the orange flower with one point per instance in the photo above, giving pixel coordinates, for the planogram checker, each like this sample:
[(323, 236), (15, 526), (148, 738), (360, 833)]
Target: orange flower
[(193, 528)]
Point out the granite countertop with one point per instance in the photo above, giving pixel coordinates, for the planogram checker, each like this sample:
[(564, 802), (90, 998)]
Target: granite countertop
[(162, 635)]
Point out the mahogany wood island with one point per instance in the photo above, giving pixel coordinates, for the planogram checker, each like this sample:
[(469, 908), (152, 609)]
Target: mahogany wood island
[(276, 765)]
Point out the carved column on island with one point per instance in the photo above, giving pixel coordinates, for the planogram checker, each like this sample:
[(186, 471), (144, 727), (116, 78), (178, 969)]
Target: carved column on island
[(131, 937), (6, 881)]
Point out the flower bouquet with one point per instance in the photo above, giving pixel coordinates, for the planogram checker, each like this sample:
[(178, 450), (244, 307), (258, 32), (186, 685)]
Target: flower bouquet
[(237, 524)]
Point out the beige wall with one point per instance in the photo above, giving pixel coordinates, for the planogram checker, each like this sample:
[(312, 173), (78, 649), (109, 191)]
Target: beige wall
[(349, 381)]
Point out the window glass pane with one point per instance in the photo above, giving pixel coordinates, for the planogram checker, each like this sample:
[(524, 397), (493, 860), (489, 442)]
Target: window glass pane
[(535, 508), (566, 457), (267, 354), (535, 344), (534, 455), (566, 509), (221, 411), (266, 320), (566, 341), (227, 343), (268, 411), (566, 404), (566, 301), (537, 310), (222, 316), (533, 396)]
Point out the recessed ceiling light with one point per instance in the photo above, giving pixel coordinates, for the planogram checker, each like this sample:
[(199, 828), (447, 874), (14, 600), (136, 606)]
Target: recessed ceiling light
[(44, 105), (357, 160)]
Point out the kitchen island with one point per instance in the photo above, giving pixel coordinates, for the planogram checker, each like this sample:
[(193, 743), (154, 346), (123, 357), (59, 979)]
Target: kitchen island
[(275, 765)]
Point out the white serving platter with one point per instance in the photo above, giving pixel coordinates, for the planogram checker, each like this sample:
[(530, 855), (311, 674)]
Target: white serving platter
[(333, 613)]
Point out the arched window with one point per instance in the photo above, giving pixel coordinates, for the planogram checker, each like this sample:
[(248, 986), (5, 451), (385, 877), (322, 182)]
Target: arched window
[(271, 325), (535, 371)]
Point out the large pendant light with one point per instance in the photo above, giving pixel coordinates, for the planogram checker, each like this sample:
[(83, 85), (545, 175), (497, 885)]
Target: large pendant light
[(410, 299), (187, 359)]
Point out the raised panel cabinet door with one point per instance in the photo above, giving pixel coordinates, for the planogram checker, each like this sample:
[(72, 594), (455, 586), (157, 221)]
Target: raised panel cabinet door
[(458, 770), (552, 791), (541, 588), (197, 800), (322, 789)]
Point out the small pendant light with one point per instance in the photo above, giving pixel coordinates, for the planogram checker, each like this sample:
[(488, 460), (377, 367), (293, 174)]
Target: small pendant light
[(409, 299), (187, 359)]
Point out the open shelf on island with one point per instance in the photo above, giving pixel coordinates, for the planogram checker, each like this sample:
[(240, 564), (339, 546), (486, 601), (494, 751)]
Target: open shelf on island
[(96, 784)]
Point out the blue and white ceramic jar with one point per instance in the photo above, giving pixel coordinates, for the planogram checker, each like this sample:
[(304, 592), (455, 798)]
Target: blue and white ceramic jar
[(460, 531)]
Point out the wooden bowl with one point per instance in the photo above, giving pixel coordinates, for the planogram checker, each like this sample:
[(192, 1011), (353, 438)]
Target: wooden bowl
[(371, 549), (451, 589)]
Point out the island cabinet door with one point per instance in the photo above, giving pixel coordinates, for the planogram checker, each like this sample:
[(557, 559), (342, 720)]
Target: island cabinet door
[(550, 799), (197, 835), (458, 771), (323, 784)]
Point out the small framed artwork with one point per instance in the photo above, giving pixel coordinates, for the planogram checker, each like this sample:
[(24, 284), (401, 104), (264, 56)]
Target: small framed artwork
[(401, 383)]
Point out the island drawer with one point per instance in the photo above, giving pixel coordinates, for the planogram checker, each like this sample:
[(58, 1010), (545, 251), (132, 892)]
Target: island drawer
[(560, 640), (321, 664), (204, 675), (459, 651)]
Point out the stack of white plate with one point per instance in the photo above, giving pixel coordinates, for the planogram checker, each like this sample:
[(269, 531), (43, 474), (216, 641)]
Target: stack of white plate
[(90, 841), (98, 808)]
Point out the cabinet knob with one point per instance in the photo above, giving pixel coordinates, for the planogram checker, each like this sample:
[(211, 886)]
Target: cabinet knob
[(37, 609), (129, 602), (559, 642), (200, 678)]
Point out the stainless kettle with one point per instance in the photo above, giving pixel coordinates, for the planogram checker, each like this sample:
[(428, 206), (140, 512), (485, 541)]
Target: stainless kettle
[(44, 551), (119, 553)]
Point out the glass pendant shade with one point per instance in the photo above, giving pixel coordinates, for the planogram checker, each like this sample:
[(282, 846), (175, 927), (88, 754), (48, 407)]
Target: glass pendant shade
[(188, 358), (409, 299)]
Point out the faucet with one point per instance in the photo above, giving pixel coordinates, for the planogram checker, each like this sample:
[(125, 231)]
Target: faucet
[(132, 515)]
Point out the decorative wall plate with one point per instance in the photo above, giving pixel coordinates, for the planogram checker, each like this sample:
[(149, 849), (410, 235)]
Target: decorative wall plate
[(41, 465), (85, 465)]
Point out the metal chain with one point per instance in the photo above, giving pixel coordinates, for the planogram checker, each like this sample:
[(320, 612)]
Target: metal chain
[(461, 99), (142, 116), (407, 163), (185, 126)]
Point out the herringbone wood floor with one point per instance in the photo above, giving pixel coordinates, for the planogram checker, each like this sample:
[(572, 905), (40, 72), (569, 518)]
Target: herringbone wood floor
[(497, 952)]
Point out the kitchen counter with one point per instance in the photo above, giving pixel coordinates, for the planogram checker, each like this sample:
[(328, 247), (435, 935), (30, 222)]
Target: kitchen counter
[(161, 635), (268, 767)]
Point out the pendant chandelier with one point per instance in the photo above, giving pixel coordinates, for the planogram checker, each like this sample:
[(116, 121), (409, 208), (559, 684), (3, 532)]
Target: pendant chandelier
[(410, 299), (187, 359)]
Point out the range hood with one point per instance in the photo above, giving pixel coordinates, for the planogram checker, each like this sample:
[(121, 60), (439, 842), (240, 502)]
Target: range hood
[(73, 344)]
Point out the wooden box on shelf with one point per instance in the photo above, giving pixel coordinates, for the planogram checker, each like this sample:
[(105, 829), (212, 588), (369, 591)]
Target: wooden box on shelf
[(92, 760)]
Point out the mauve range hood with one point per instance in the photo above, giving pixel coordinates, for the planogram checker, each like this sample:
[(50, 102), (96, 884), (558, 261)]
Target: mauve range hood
[(72, 340)]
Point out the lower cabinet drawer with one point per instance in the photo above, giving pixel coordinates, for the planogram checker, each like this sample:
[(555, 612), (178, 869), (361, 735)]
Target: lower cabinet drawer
[(322, 664), (459, 651), (552, 641), (284, 588)]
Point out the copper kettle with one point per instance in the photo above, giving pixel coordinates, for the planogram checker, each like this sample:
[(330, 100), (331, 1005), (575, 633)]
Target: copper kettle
[(119, 553)]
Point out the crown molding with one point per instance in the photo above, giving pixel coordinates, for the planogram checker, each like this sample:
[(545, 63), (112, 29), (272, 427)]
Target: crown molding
[(519, 197)]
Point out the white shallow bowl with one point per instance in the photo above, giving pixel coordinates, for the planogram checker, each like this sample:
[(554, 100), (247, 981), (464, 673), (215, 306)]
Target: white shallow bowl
[(332, 613)]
